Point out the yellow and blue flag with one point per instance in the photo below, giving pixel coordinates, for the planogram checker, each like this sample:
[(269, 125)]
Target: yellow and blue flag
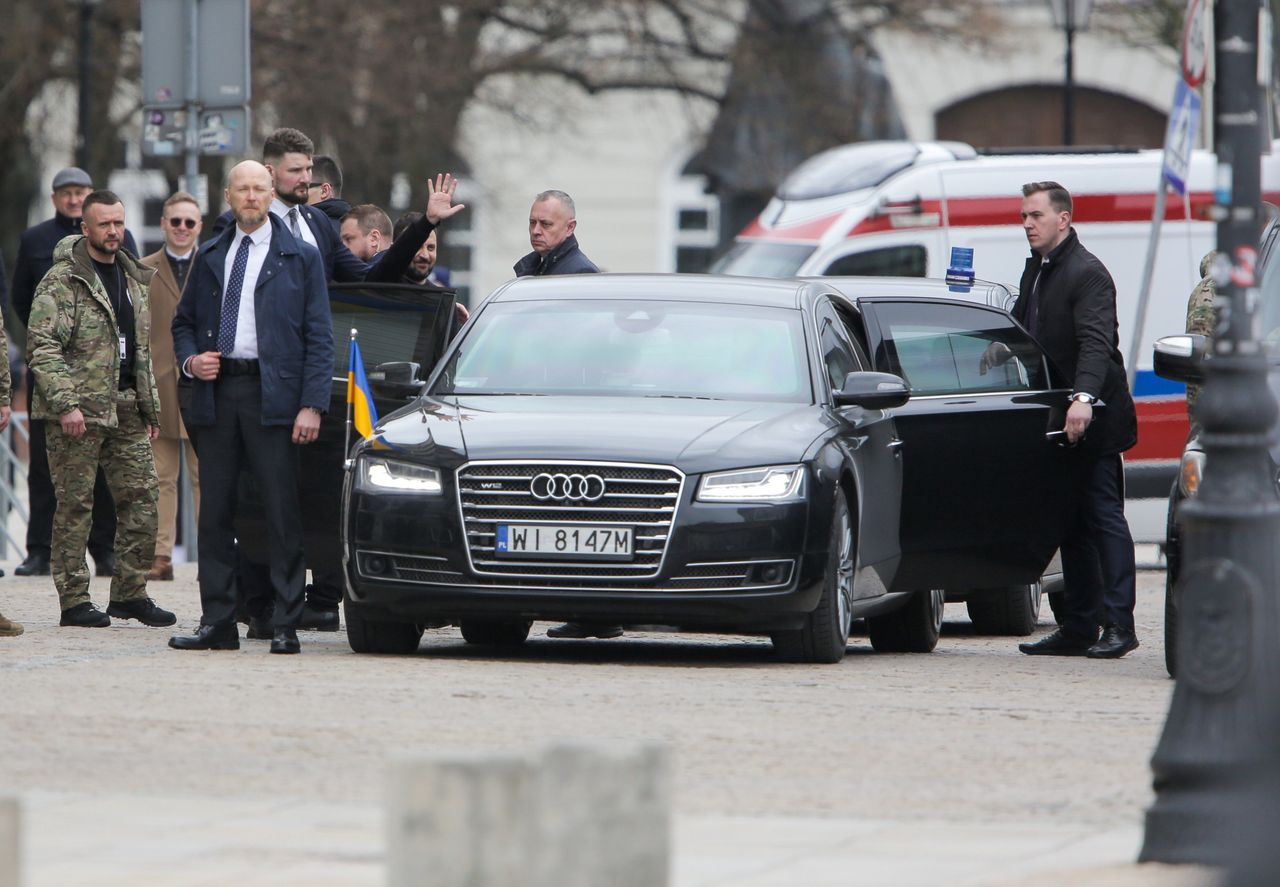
[(364, 415)]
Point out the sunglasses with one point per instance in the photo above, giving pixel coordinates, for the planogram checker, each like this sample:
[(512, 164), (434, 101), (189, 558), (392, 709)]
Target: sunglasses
[(183, 223), (316, 185)]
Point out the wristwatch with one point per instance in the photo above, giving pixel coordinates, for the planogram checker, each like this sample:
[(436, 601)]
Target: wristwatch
[(1082, 397)]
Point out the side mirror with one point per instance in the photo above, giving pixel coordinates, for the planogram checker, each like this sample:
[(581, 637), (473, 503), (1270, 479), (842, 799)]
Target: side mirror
[(397, 380), (1181, 358), (873, 391)]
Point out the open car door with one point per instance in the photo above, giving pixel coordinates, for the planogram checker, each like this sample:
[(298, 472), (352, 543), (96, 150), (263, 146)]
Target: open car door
[(985, 477), (395, 323)]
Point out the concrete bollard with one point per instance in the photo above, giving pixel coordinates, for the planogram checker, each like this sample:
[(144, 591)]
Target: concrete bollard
[(605, 816), (461, 821), (10, 842), (577, 815)]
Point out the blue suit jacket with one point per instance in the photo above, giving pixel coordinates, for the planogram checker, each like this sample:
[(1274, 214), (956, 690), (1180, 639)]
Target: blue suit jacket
[(342, 265), (291, 311)]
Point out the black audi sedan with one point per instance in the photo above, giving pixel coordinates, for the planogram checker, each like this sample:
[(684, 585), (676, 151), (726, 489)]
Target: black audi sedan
[(710, 453)]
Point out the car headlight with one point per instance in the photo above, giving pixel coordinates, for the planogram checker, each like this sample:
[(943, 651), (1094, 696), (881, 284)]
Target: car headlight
[(404, 477), (779, 483), (1189, 472)]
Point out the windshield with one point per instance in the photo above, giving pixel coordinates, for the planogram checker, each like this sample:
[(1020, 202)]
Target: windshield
[(633, 349), (753, 258)]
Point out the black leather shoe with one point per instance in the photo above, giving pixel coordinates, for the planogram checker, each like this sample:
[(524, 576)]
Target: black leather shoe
[(285, 640), (144, 610), (34, 565), (104, 564), (316, 619), (260, 628), (1057, 644), (1114, 643), (84, 615), (208, 637)]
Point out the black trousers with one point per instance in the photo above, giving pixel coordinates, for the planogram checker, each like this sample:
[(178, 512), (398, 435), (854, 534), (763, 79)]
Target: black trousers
[(1098, 570), (239, 439), (43, 502)]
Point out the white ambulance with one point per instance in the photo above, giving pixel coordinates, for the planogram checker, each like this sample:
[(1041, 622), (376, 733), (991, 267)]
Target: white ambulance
[(899, 209)]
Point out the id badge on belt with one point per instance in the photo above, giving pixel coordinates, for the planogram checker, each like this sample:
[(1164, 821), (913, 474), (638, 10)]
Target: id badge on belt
[(124, 353)]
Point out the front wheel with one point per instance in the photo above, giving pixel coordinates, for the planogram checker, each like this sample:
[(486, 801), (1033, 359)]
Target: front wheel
[(1012, 610), (913, 628), (371, 636), (826, 630)]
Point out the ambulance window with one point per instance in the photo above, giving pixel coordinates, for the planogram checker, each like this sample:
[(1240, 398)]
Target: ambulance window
[(892, 261), (847, 168), (749, 258)]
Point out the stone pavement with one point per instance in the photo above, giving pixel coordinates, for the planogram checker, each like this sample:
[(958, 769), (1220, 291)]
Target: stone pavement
[(195, 807), (94, 840)]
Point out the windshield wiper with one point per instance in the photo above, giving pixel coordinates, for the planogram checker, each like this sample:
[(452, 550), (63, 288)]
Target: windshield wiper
[(497, 393), (686, 396)]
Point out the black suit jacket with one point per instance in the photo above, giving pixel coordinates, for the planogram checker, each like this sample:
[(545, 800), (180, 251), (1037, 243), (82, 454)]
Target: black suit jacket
[(342, 265), (1078, 329)]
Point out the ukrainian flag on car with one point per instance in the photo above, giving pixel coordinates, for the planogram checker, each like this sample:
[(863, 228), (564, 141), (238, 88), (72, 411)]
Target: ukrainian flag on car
[(364, 415)]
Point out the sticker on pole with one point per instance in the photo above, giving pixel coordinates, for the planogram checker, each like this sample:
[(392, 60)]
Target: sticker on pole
[(1180, 137), (1195, 44)]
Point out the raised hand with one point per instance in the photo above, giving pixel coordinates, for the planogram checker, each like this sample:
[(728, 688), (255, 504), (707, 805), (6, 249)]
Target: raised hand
[(440, 205)]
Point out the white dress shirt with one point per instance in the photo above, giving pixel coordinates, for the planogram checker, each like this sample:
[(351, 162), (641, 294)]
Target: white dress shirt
[(246, 322), (281, 210)]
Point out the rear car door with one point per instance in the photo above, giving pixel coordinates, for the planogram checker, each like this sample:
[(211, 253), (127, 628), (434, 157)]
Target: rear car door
[(984, 487)]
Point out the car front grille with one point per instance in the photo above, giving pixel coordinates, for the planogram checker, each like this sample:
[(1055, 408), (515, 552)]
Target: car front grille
[(642, 497), (702, 577)]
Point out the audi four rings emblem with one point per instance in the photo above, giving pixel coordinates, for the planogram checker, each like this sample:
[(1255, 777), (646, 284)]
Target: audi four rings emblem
[(575, 487)]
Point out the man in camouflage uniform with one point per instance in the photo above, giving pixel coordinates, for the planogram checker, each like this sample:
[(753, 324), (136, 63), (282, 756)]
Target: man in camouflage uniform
[(8, 628), (1200, 320), (89, 349)]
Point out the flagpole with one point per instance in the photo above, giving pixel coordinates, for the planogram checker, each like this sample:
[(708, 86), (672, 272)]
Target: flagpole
[(346, 441)]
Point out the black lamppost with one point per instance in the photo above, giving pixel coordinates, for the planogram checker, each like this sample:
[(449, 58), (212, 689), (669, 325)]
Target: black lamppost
[(84, 60), (1070, 16), (1219, 742)]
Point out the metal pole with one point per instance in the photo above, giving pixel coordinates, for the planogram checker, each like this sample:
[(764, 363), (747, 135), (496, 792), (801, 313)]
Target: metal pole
[(346, 441), (1148, 271), (84, 103), (1219, 736), (192, 152), (1069, 88)]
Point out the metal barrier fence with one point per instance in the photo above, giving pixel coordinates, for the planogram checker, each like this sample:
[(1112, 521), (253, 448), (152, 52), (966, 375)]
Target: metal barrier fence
[(13, 493)]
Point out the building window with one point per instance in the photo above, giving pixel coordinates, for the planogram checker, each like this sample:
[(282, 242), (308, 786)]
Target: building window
[(697, 225)]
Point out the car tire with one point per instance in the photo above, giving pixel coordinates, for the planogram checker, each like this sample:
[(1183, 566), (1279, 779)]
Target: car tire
[(373, 636), (913, 628), (825, 634), (1011, 611), (496, 632)]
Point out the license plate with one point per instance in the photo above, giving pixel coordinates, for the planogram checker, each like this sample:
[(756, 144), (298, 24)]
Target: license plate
[(568, 541)]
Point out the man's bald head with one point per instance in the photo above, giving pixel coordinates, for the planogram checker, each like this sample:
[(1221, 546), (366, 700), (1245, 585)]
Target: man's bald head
[(250, 192)]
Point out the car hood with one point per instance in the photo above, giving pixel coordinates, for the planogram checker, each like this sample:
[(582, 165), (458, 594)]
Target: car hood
[(693, 435)]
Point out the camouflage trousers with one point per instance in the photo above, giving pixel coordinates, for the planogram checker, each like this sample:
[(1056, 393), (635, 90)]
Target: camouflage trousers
[(124, 452)]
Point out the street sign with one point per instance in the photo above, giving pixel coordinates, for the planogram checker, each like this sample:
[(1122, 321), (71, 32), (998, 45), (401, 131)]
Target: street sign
[(222, 53), (223, 50), (1195, 44), (223, 131), (220, 131), (163, 131), (164, 61), (1180, 137)]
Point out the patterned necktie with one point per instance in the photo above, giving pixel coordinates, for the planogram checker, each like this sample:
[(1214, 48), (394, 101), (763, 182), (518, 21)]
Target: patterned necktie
[(293, 223), (231, 299)]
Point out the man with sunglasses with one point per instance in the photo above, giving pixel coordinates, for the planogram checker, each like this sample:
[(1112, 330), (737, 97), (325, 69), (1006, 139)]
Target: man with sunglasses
[(181, 223)]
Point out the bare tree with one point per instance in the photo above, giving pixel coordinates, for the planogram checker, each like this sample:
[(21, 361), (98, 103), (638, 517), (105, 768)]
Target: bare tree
[(384, 85)]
